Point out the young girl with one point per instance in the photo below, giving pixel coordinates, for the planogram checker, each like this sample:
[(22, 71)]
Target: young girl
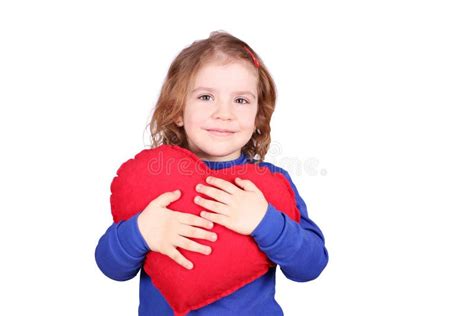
[(217, 101)]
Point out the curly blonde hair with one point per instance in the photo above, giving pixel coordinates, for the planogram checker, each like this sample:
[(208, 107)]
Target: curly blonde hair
[(181, 73)]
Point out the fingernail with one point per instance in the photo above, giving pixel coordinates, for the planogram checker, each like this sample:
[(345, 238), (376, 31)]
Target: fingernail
[(189, 266), (214, 237)]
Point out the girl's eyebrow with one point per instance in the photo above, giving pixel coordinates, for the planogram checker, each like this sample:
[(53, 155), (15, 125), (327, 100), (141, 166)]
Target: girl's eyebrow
[(213, 90)]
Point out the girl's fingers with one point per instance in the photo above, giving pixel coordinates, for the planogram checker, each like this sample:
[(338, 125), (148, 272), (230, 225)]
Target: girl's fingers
[(216, 218), (193, 220), (222, 184), (166, 198), (247, 185), (214, 206), (215, 193), (191, 245), (174, 254), (194, 232)]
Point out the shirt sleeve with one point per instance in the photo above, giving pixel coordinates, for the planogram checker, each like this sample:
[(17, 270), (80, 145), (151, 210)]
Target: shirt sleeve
[(298, 248), (121, 250)]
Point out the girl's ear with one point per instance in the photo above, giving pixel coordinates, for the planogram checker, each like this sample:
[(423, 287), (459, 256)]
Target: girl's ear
[(179, 121)]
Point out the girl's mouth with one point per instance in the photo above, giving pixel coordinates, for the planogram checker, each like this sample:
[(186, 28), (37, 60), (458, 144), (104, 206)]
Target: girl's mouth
[(220, 132)]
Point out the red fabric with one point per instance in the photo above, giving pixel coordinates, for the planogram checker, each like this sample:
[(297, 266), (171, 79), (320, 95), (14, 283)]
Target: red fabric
[(235, 260)]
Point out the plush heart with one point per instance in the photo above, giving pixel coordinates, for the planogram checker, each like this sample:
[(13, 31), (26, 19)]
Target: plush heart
[(235, 260)]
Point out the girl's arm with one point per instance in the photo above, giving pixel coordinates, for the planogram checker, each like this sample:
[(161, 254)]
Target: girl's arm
[(121, 250), (298, 248)]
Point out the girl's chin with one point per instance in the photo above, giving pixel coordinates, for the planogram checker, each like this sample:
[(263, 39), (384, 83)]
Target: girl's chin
[(218, 155)]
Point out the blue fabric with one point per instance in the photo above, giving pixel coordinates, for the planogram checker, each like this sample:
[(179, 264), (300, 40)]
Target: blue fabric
[(298, 248)]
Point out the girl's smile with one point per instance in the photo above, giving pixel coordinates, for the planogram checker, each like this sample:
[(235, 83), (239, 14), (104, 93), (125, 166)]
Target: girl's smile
[(220, 132)]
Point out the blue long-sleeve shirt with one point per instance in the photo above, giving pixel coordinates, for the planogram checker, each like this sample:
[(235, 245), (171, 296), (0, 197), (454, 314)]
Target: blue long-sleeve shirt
[(298, 248)]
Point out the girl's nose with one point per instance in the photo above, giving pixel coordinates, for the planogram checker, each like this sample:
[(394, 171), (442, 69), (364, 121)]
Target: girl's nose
[(223, 111)]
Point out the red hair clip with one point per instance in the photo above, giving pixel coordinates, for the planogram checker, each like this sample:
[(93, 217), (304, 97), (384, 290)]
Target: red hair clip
[(255, 61)]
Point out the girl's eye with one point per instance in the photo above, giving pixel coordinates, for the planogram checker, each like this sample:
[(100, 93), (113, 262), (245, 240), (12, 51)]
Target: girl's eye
[(204, 96), (207, 97), (246, 101)]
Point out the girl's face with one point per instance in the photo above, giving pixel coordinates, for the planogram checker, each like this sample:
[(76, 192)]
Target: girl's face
[(220, 110)]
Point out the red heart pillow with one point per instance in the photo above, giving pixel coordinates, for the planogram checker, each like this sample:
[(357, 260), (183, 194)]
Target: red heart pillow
[(235, 260)]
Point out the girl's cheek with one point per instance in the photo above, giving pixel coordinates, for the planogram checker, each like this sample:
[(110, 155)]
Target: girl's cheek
[(250, 119), (197, 118)]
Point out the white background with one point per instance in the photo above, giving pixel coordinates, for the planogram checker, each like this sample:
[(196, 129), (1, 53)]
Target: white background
[(376, 95)]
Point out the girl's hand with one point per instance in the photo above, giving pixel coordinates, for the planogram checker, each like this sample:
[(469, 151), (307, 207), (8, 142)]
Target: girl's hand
[(240, 210), (164, 229)]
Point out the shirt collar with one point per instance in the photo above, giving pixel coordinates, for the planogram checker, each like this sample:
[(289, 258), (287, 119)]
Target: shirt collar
[(226, 164)]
